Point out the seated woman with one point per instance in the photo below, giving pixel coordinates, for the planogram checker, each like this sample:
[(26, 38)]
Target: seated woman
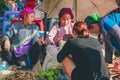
[(58, 35), (63, 29), (22, 38), (86, 61)]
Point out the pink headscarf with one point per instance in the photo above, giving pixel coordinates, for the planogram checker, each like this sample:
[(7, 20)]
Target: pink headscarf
[(26, 11)]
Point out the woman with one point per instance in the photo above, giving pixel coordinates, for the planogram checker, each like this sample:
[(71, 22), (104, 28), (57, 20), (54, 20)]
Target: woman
[(58, 35), (86, 61), (62, 29), (22, 38), (110, 29)]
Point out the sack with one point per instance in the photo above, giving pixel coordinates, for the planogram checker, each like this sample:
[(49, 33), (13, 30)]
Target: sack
[(51, 57), (37, 68)]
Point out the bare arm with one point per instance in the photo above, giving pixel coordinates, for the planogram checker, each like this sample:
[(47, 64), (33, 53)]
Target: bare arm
[(68, 66)]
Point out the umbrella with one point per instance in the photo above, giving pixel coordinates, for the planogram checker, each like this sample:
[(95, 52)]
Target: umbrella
[(81, 8)]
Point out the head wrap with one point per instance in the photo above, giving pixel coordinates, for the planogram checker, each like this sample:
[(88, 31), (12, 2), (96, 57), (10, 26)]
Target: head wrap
[(91, 19), (66, 10), (26, 11)]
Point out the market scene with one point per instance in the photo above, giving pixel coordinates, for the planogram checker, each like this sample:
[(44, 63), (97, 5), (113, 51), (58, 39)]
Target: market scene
[(59, 39)]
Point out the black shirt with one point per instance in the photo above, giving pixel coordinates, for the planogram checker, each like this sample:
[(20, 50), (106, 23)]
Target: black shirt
[(87, 56)]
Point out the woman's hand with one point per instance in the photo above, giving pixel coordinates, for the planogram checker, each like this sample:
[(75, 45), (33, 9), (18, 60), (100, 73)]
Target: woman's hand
[(41, 42), (7, 45)]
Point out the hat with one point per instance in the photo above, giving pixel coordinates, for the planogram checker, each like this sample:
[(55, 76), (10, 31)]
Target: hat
[(25, 11), (92, 18), (66, 10)]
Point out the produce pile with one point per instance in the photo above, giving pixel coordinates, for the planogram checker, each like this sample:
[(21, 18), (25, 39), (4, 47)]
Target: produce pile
[(21, 75), (51, 74)]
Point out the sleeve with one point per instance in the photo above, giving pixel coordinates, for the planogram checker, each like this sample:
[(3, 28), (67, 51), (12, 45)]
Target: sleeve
[(108, 23), (9, 34), (65, 51), (37, 35), (111, 24), (108, 46), (51, 34)]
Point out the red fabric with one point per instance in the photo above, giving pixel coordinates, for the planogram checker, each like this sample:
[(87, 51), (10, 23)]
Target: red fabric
[(14, 5), (31, 4)]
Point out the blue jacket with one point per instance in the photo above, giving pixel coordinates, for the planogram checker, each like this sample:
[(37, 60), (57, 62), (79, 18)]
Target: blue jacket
[(111, 28)]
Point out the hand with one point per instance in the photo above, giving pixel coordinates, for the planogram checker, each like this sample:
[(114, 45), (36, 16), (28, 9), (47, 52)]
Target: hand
[(7, 45), (41, 42)]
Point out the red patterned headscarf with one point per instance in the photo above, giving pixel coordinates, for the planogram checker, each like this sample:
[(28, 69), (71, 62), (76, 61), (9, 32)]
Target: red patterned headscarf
[(66, 10)]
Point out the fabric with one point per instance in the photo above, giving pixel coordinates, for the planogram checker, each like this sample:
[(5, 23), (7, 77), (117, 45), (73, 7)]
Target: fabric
[(25, 11), (20, 33), (80, 8), (110, 30), (12, 6), (34, 53), (85, 54), (57, 33), (66, 10), (19, 51), (109, 50), (111, 27), (91, 19)]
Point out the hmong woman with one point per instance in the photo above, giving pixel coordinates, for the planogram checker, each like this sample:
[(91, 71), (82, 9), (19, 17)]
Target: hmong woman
[(22, 38)]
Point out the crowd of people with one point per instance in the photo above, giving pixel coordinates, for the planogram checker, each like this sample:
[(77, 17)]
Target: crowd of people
[(68, 42)]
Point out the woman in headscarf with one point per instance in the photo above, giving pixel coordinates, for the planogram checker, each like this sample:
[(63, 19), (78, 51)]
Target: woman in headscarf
[(109, 27), (22, 38), (60, 30), (58, 35)]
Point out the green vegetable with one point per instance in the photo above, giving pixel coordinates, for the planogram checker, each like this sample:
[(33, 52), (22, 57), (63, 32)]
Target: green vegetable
[(50, 78), (42, 75), (50, 74)]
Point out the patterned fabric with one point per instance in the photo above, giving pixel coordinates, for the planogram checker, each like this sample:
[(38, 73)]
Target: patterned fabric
[(66, 10), (58, 33), (12, 6), (110, 30), (19, 33), (111, 26)]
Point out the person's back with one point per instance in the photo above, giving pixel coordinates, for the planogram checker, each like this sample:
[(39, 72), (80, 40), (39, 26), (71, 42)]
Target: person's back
[(86, 54)]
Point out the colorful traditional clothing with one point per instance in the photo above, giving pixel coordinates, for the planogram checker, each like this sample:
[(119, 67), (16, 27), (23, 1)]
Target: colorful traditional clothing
[(110, 28), (57, 33), (22, 38), (20, 33)]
